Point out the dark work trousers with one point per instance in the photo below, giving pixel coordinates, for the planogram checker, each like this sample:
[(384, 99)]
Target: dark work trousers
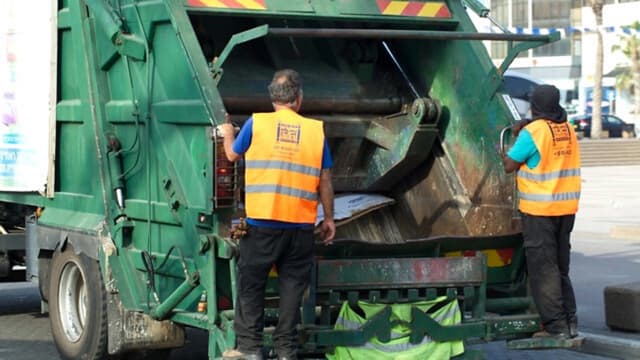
[(547, 246), (291, 250)]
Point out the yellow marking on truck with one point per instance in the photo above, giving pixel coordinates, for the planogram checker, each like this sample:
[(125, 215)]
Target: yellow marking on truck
[(395, 8), (414, 8), (252, 4), (212, 3), (230, 4), (430, 9)]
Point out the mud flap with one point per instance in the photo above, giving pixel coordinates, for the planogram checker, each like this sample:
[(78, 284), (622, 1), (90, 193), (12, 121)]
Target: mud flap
[(131, 330)]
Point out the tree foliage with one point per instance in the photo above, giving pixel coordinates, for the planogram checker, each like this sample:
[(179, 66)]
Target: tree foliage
[(630, 78)]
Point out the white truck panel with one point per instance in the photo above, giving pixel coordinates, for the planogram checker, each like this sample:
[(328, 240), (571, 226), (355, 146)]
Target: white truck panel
[(27, 96)]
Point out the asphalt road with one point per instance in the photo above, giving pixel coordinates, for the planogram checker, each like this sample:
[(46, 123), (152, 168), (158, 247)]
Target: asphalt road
[(606, 251)]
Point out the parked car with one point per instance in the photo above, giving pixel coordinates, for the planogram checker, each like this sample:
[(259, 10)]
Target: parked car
[(616, 126)]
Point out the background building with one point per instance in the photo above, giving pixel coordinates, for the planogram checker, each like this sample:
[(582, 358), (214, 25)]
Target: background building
[(615, 14), (569, 63), (558, 63)]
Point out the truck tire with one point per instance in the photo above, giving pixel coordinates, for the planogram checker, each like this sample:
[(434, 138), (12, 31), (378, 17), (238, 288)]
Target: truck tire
[(77, 306)]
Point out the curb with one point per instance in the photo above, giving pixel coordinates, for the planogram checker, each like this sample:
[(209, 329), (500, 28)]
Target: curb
[(609, 346)]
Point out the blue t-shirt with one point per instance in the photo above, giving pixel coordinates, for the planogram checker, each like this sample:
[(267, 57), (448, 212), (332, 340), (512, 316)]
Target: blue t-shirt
[(524, 150), (241, 145)]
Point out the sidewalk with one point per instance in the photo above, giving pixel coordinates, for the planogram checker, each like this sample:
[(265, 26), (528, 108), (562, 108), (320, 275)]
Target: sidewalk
[(606, 251)]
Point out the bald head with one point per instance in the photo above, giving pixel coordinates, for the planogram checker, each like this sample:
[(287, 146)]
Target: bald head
[(286, 87)]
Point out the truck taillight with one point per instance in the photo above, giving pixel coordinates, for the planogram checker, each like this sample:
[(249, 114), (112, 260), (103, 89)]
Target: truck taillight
[(225, 177)]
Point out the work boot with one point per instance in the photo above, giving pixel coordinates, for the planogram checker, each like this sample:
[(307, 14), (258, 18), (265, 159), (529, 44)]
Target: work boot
[(573, 328), (235, 354)]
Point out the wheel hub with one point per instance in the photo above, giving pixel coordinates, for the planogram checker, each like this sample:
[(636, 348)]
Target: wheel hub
[(73, 300)]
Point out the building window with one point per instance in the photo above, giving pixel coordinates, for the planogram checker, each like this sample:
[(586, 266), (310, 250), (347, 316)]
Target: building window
[(577, 45), (519, 18), (552, 14), (500, 12), (521, 13)]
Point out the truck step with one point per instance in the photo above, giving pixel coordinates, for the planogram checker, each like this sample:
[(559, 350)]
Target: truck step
[(545, 343)]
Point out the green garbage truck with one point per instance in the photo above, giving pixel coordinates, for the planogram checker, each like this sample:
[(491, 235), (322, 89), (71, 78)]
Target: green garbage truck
[(135, 199)]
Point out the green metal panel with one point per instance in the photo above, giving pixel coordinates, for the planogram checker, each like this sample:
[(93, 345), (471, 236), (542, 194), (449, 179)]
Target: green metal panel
[(292, 6), (398, 273)]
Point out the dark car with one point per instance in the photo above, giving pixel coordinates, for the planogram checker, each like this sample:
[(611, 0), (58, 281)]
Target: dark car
[(616, 126)]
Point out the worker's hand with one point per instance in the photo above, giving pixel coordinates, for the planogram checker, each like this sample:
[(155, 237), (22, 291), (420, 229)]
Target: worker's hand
[(517, 126), (226, 130), (239, 230), (328, 231)]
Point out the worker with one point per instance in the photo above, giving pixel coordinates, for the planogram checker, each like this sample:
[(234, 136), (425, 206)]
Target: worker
[(287, 168), (547, 159)]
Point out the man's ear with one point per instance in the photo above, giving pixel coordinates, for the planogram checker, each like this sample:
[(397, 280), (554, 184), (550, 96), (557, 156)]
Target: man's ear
[(298, 104)]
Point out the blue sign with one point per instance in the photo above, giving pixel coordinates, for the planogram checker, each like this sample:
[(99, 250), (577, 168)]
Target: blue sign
[(608, 99)]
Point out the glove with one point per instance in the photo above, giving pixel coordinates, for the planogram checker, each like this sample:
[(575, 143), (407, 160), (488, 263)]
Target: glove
[(225, 130)]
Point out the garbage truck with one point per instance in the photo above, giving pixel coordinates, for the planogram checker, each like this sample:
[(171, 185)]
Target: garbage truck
[(133, 200)]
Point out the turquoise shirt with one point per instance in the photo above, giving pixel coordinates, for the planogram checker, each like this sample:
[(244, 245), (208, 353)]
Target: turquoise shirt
[(524, 150)]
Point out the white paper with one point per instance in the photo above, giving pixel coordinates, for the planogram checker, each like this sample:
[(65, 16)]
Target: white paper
[(348, 205)]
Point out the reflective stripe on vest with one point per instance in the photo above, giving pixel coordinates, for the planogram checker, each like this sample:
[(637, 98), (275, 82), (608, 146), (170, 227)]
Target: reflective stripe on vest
[(283, 165), (552, 188), (550, 176), (283, 190), (399, 346), (552, 197)]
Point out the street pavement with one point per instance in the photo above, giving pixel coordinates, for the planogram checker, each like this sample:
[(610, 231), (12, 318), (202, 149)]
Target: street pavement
[(605, 251), (24, 332), (603, 254)]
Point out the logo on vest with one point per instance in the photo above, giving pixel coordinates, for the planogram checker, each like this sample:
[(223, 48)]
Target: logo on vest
[(560, 132), (288, 133)]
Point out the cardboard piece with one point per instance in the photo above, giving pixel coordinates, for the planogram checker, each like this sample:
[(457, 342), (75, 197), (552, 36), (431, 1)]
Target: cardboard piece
[(349, 207)]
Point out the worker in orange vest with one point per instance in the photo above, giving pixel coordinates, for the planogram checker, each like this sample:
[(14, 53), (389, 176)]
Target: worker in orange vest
[(287, 170), (547, 159)]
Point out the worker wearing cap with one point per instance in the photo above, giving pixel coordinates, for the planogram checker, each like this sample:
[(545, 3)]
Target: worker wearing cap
[(288, 168), (547, 159)]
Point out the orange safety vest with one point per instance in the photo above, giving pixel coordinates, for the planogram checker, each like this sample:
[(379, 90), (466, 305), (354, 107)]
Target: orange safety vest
[(283, 165), (552, 188)]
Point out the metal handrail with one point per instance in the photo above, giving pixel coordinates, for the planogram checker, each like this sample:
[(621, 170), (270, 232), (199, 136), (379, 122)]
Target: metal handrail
[(352, 33)]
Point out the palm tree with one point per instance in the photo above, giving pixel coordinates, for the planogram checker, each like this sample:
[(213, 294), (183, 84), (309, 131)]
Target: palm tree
[(630, 47), (596, 116)]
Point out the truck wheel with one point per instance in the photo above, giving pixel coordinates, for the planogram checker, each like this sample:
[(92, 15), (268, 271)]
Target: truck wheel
[(77, 306)]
